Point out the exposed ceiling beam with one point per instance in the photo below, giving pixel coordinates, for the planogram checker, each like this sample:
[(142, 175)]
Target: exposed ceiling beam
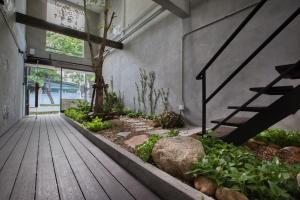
[(177, 7), (42, 24)]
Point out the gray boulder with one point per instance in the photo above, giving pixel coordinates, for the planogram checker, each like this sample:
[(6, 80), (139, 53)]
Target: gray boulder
[(177, 155)]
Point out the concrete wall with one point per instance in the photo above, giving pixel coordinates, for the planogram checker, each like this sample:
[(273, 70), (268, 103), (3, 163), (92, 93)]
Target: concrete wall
[(157, 47), (11, 69), (36, 38)]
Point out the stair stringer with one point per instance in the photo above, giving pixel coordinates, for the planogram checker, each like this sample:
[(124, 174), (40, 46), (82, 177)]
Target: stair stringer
[(286, 105)]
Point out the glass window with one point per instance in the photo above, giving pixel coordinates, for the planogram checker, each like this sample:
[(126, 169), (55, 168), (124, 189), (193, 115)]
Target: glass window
[(67, 16)]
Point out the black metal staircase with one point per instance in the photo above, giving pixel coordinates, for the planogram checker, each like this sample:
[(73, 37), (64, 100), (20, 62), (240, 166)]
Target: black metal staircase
[(238, 130)]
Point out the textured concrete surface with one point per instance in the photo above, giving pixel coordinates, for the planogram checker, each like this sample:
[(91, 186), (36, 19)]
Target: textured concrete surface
[(11, 71), (157, 47)]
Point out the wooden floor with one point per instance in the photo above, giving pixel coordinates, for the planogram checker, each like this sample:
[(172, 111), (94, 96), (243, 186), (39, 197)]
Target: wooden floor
[(46, 158)]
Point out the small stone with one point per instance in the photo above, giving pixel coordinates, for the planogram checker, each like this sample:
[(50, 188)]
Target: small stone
[(190, 131), (224, 193), (136, 140), (205, 185), (290, 154), (158, 132), (139, 124), (123, 134), (143, 129)]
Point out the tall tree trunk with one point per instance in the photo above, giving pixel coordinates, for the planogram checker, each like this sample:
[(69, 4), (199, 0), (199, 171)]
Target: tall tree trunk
[(99, 90)]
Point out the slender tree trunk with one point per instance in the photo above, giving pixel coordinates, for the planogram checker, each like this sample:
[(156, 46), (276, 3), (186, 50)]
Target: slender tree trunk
[(99, 90)]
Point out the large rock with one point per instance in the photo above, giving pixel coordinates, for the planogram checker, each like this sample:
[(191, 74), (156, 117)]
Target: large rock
[(224, 193), (205, 185), (290, 154), (177, 155)]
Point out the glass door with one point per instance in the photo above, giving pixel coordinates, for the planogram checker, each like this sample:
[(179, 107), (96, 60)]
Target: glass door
[(43, 89), (76, 85)]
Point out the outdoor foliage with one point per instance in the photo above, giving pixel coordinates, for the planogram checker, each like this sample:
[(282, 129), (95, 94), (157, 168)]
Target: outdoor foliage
[(173, 133), (62, 44), (112, 101), (280, 137), (76, 114), (144, 150), (97, 125), (135, 114), (171, 120), (237, 168)]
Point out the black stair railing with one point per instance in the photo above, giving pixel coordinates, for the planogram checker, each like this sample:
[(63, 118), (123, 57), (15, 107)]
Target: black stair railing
[(202, 74), (259, 93)]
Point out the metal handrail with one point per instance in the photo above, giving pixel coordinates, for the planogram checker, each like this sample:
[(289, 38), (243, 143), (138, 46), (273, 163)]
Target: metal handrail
[(259, 49), (232, 36), (260, 92), (202, 74)]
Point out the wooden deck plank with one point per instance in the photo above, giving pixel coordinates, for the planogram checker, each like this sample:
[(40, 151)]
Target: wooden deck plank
[(25, 183), (11, 168), (9, 133), (46, 186), (138, 190), (67, 183), (109, 183), (11, 143), (88, 183)]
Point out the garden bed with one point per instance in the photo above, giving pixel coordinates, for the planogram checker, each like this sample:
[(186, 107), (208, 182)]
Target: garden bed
[(265, 168), (158, 181)]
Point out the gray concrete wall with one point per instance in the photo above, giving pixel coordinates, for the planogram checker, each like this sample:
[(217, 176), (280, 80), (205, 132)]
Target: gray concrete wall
[(36, 38), (11, 69), (157, 47)]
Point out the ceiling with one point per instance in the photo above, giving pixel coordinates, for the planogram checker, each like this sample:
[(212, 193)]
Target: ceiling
[(96, 7)]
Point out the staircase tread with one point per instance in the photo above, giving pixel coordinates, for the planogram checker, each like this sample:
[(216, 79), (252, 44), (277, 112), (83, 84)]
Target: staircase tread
[(249, 109), (294, 74), (234, 121), (222, 131), (276, 90)]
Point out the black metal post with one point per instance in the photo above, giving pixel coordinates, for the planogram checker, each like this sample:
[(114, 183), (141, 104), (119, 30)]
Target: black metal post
[(203, 103)]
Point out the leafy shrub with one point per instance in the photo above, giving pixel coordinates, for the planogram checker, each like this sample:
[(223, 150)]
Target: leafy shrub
[(173, 133), (134, 114), (280, 137), (113, 103), (237, 168), (97, 125), (171, 120), (144, 150), (76, 114), (83, 106), (151, 117)]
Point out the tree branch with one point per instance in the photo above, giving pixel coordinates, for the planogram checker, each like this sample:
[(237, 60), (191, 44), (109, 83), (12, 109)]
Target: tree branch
[(89, 35)]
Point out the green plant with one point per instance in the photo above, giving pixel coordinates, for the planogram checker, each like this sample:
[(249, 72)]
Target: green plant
[(97, 125), (135, 114), (83, 106), (171, 120), (113, 102), (173, 133), (237, 168), (144, 150), (76, 114), (280, 137)]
